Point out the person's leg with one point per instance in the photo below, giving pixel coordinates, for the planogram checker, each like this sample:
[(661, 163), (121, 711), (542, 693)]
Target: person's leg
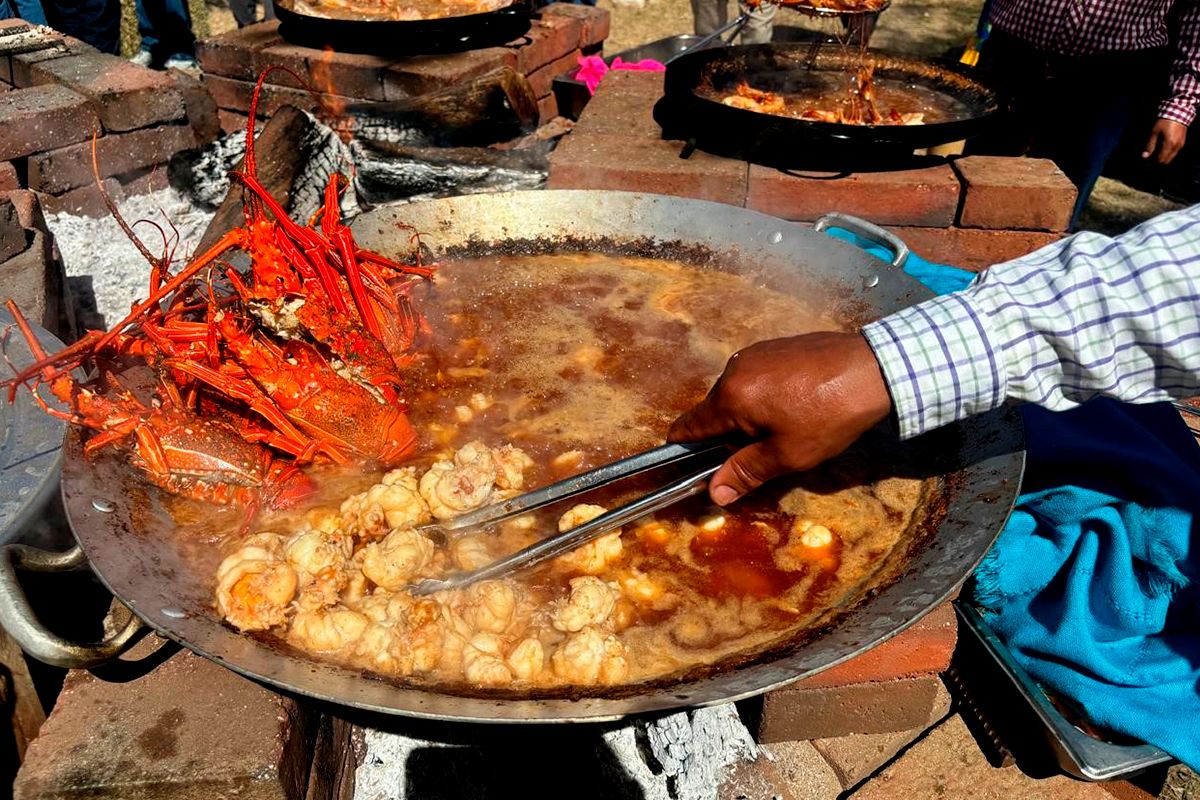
[(709, 15), (28, 10), (169, 24), (1087, 110), (97, 22), (761, 25), (243, 11), (1019, 71)]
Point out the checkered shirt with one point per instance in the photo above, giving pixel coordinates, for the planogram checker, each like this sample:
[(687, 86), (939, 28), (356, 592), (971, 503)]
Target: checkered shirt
[(1087, 27), (1086, 316)]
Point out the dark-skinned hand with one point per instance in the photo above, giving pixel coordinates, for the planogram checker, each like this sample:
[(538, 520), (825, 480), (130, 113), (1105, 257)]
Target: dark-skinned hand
[(1166, 140), (802, 400)]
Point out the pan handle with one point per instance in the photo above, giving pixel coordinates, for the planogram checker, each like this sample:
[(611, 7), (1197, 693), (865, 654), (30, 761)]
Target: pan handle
[(869, 231), (19, 621)]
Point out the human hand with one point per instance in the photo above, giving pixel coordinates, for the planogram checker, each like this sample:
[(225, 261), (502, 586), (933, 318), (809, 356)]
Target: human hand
[(803, 399), (1166, 140)]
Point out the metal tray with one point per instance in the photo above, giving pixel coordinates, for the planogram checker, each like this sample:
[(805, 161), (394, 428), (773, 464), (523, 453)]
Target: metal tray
[(1077, 753)]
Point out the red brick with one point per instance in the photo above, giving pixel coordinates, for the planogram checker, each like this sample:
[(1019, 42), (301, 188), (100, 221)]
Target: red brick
[(200, 106), (947, 764), (22, 64), (601, 162), (13, 238), (35, 280), (234, 95), (41, 118), (547, 41), (422, 74), (623, 106), (927, 197), (84, 201), (126, 96), (799, 712), (597, 22), (29, 210), (541, 80), (232, 121), (857, 755), (8, 177), (233, 54), (972, 248), (187, 730), (1014, 193), (144, 181), (547, 108), (923, 649), (349, 74), (56, 171)]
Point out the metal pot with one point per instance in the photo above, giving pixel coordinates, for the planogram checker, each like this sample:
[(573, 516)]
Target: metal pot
[(122, 527), (793, 143)]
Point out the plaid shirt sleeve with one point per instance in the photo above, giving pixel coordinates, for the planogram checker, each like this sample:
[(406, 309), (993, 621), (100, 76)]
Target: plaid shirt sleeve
[(1181, 104), (1086, 316)]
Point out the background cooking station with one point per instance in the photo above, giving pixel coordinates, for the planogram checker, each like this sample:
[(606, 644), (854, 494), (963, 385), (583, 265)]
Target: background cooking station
[(164, 723)]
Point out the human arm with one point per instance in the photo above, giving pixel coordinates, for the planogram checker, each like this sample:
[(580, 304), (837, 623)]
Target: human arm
[(1176, 112), (1083, 317)]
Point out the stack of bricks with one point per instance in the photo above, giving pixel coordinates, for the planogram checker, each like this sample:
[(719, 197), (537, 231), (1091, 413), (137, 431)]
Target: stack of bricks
[(31, 271), (56, 92), (231, 63), (970, 213)]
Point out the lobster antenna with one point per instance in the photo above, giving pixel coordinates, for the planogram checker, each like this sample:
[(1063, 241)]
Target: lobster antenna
[(116, 213)]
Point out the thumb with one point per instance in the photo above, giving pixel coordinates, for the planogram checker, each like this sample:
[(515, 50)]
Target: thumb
[(1152, 145), (746, 470)]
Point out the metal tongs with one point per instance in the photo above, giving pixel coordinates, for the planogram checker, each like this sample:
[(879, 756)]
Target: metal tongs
[(714, 449)]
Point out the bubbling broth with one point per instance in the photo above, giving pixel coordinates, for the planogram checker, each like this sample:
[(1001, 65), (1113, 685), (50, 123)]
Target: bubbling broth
[(541, 367)]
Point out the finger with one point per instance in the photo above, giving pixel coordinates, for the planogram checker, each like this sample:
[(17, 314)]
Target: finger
[(1151, 145), (746, 470), (703, 421)]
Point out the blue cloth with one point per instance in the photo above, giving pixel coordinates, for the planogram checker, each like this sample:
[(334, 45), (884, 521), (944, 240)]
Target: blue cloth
[(28, 10), (1093, 583)]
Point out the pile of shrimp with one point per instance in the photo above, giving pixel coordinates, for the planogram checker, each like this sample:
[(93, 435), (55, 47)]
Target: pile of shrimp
[(336, 586)]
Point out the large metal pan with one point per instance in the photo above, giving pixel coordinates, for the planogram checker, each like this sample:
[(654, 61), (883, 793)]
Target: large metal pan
[(788, 142), (394, 38), (120, 523)]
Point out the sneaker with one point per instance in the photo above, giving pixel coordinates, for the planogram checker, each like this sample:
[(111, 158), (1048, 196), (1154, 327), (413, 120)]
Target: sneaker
[(142, 59), (183, 63)]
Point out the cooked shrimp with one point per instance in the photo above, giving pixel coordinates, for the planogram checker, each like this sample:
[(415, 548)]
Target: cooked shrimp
[(395, 561), (593, 557), (320, 565), (489, 605), (255, 585), (590, 603), (393, 503), (483, 661), (527, 659), (327, 629), (471, 553), (591, 657), (454, 487), (511, 464)]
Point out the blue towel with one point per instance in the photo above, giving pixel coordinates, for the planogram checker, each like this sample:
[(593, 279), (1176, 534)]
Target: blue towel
[(1092, 584)]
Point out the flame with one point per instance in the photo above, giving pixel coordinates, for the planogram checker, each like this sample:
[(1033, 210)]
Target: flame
[(333, 103)]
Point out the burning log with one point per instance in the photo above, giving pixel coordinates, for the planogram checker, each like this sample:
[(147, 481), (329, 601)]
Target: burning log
[(494, 107), (388, 172)]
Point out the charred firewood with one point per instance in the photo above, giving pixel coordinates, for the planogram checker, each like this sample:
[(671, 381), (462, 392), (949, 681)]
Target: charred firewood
[(388, 172)]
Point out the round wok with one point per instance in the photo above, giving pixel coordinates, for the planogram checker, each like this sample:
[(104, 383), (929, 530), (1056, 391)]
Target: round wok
[(122, 527)]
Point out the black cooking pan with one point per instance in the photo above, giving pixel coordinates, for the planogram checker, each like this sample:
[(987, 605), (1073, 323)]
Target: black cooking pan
[(968, 94), (129, 539), (395, 38)]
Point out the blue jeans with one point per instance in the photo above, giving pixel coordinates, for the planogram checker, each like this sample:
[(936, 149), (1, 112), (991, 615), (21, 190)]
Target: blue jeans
[(97, 22), (1070, 109), (166, 28), (28, 10)]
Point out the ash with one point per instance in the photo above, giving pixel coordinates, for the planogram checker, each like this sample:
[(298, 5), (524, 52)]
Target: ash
[(681, 756), (96, 251)]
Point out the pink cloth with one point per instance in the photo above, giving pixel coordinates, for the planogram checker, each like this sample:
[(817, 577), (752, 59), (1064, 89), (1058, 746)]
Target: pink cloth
[(593, 68)]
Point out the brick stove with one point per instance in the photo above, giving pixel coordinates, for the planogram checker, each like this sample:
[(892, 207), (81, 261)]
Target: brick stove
[(972, 212), (55, 91), (232, 62)]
